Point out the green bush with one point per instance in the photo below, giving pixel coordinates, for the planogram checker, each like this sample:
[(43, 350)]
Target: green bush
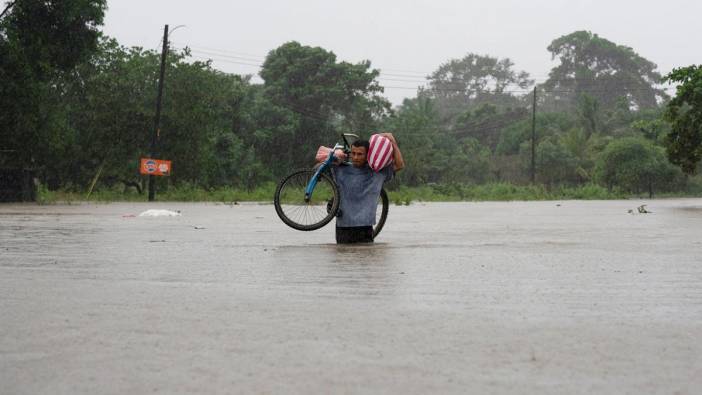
[(399, 196)]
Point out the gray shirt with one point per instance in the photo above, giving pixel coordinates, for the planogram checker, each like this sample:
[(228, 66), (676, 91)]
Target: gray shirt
[(359, 189)]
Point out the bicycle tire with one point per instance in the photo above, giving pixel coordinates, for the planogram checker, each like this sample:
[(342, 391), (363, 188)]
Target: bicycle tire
[(385, 207), (299, 214)]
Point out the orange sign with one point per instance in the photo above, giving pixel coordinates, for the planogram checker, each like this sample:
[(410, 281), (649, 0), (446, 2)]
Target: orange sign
[(155, 167)]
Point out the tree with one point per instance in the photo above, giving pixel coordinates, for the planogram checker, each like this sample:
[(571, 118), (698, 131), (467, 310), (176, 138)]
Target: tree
[(474, 79), (416, 127), (110, 112), (655, 129), (109, 100), (547, 124), (39, 41), (51, 35), (588, 113), (200, 129), (320, 97), (684, 112), (466, 162), (635, 164), (592, 65), (554, 163), (485, 123)]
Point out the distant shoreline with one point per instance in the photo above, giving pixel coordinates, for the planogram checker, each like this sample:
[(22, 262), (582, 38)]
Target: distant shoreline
[(398, 195)]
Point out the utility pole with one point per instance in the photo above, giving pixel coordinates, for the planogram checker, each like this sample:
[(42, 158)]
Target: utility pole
[(533, 139), (157, 122)]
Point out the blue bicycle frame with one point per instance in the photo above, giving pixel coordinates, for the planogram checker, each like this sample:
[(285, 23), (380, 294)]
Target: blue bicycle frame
[(325, 165)]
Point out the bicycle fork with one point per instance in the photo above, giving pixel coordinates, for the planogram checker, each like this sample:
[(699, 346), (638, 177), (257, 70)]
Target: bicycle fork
[(315, 178)]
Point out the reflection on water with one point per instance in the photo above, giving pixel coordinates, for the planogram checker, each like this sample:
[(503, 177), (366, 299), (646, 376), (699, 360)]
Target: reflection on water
[(359, 254), (691, 210), (348, 269), (42, 240)]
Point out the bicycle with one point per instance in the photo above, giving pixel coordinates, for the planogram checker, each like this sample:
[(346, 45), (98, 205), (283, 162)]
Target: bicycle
[(308, 199)]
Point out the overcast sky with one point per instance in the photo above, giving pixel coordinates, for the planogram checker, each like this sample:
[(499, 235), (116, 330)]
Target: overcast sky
[(409, 39)]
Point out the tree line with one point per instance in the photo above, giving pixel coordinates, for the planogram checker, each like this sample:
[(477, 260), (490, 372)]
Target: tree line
[(74, 101)]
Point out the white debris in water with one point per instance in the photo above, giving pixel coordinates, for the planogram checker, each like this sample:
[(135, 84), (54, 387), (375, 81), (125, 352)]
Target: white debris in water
[(160, 213)]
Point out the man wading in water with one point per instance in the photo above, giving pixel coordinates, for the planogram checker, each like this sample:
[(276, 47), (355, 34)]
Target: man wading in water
[(359, 187)]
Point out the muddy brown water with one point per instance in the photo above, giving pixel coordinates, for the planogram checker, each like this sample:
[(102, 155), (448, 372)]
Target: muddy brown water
[(516, 297)]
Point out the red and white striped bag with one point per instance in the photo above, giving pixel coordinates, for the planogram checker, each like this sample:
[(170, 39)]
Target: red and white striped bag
[(379, 152)]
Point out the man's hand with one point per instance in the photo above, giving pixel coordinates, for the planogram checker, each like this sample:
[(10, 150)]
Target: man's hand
[(398, 161), (390, 137)]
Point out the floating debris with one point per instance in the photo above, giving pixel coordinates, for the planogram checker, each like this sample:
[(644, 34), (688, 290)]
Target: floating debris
[(641, 210), (160, 213)]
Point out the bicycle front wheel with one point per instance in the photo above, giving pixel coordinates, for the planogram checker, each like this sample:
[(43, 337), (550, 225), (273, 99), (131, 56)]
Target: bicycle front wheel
[(301, 214)]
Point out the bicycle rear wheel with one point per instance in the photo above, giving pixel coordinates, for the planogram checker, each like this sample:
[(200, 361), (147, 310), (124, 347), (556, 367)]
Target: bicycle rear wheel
[(295, 211), (381, 213)]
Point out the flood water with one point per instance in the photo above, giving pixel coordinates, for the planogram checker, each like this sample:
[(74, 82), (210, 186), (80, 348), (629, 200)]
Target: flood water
[(515, 297)]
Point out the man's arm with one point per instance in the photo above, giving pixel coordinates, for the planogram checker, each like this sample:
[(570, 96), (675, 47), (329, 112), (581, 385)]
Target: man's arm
[(398, 162), (323, 155)]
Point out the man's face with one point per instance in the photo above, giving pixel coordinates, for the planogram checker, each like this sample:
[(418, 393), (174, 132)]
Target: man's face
[(358, 156)]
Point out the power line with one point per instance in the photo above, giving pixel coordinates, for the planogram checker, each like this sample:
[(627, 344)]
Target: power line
[(461, 87), (243, 61), (219, 56), (395, 72), (223, 51), (228, 61), (248, 59), (228, 53), (251, 60), (430, 89)]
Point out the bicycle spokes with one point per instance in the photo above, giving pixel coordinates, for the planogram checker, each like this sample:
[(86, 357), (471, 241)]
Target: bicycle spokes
[(303, 212)]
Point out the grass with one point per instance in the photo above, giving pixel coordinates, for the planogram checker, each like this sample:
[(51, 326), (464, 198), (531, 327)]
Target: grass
[(500, 192), (184, 193), (399, 196)]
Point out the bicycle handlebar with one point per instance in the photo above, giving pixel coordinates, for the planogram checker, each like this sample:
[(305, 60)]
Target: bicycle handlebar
[(346, 142)]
